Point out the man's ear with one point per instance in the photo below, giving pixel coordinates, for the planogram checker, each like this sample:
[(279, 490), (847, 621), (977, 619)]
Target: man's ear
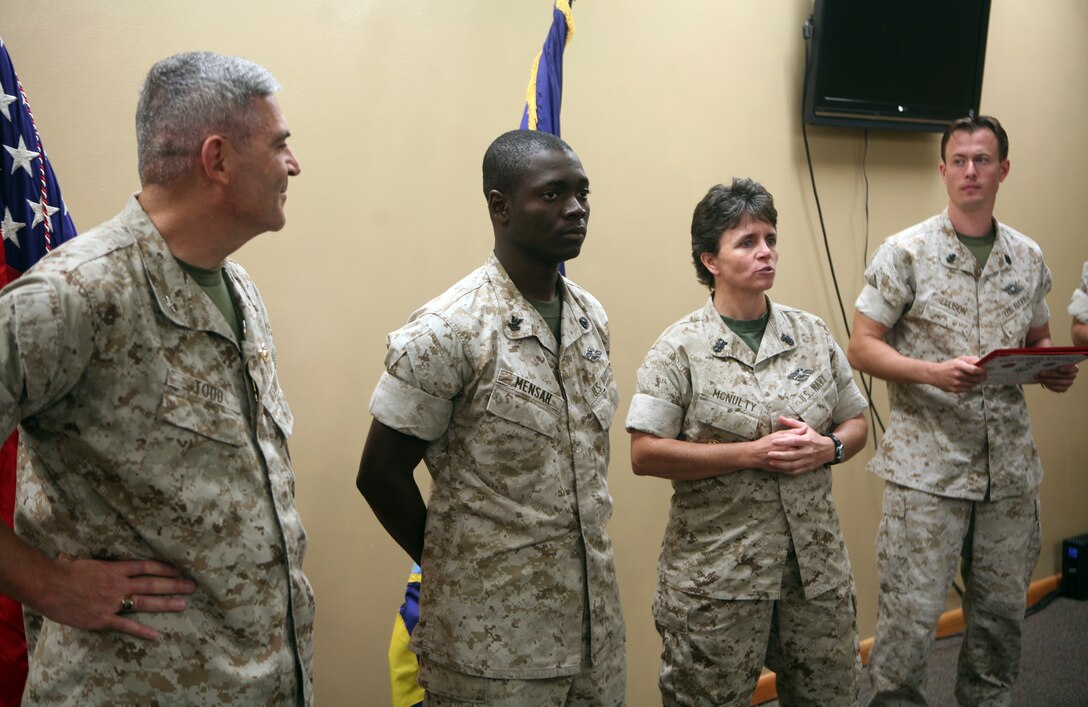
[(498, 206), (215, 158)]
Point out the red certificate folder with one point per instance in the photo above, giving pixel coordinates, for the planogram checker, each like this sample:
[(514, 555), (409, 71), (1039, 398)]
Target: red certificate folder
[(1022, 366)]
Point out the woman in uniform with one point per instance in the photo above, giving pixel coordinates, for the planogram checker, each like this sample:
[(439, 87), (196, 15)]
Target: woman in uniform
[(745, 405)]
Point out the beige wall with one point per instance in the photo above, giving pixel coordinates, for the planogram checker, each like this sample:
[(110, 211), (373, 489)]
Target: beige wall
[(392, 104)]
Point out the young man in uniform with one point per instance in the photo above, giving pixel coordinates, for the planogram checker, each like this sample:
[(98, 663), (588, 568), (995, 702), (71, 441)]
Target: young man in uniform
[(959, 459), (503, 386)]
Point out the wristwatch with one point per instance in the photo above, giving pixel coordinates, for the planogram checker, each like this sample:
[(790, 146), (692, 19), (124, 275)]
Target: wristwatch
[(840, 450)]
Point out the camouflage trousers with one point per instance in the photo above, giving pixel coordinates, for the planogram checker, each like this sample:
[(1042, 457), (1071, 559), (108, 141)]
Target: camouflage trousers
[(921, 540), (713, 650)]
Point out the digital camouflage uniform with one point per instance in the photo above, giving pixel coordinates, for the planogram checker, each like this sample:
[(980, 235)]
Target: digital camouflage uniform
[(128, 387), (753, 566), (1078, 306), (963, 470), (518, 453)]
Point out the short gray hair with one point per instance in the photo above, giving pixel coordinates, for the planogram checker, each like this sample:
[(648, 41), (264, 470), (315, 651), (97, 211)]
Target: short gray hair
[(189, 96)]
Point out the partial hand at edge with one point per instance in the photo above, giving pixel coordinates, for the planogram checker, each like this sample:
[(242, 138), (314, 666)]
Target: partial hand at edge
[(87, 594)]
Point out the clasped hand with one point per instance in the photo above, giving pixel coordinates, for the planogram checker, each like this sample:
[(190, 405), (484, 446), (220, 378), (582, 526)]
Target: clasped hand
[(797, 449)]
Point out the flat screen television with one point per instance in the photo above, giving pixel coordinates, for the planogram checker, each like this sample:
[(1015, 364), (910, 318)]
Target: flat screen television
[(901, 64)]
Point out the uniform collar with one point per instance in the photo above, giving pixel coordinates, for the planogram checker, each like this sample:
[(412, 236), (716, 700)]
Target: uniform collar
[(723, 343), (956, 256), (179, 297), (520, 320)]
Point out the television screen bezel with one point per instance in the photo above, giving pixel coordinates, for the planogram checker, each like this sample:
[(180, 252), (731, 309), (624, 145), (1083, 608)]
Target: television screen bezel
[(887, 119)]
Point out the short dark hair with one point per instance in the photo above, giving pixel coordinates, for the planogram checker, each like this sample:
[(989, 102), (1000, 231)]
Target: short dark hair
[(508, 157), (723, 208), (973, 123)]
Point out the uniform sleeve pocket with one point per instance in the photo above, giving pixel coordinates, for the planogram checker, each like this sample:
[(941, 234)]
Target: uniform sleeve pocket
[(203, 408)]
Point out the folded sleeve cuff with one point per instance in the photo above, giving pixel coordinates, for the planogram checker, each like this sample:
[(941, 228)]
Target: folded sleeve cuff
[(409, 410), (873, 305), (655, 416), (1078, 308)]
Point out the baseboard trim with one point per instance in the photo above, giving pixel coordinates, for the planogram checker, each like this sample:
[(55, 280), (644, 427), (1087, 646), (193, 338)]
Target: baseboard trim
[(951, 622)]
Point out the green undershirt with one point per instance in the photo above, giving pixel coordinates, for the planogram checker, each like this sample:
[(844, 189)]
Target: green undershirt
[(750, 331), (215, 285), (551, 312), (980, 246)]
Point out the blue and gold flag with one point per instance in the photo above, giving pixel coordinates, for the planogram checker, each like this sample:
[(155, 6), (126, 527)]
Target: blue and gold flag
[(544, 97), (403, 664)]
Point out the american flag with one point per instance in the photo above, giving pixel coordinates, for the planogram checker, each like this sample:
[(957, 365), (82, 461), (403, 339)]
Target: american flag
[(33, 221)]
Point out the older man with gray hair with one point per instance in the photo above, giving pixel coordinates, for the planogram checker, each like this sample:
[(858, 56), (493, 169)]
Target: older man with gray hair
[(138, 363)]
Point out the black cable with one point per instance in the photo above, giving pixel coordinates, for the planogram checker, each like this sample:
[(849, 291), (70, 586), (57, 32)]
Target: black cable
[(867, 383), (807, 32), (865, 174)]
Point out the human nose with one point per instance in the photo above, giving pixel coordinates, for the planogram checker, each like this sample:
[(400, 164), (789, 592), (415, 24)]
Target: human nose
[(576, 208), (293, 167)]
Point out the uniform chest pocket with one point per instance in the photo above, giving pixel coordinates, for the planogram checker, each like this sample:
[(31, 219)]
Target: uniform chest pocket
[(203, 408), (270, 397), (738, 423), (517, 399), (1015, 323), (606, 398), (944, 314), (814, 403), (276, 405)]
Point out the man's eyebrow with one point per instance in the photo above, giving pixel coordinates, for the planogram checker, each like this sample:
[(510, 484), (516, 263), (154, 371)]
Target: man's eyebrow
[(560, 182)]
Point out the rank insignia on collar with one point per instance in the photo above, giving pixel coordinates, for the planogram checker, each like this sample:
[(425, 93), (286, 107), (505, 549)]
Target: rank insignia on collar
[(584, 322), (951, 258), (1013, 288), (786, 339), (719, 345), (514, 323), (800, 374), (592, 354)]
